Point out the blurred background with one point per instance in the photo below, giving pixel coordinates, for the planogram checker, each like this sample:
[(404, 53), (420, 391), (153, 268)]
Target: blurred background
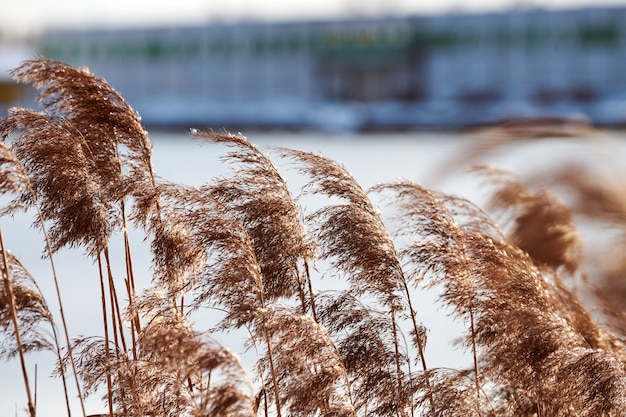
[(390, 88), (335, 65)]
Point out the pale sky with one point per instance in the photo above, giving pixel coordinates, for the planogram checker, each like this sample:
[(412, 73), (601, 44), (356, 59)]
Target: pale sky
[(28, 16)]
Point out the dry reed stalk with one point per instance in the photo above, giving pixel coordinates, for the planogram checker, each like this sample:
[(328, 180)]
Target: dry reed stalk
[(267, 216), (543, 227), (353, 236), (109, 129), (258, 196), (526, 340), (107, 354), (214, 262), (230, 220), (57, 162), (10, 298), (436, 252), (178, 371), (32, 309), (103, 132), (366, 345), (225, 273), (14, 180)]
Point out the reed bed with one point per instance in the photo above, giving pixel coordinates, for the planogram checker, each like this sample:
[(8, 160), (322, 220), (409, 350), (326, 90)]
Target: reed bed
[(242, 249)]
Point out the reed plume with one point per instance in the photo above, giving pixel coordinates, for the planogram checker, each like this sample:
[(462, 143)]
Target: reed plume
[(227, 275), (111, 130), (113, 140), (371, 354), (588, 183), (526, 341), (258, 196), (57, 163), (538, 223), (177, 370), (312, 376), (84, 153), (223, 274), (32, 314), (596, 199), (209, 252), (455, 394), (352, 235)]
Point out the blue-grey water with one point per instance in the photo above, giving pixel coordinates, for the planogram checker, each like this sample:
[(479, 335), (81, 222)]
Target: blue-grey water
[(437, 160)]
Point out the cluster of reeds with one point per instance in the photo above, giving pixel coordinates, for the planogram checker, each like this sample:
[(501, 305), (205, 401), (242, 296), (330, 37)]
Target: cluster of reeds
[(241, 248)]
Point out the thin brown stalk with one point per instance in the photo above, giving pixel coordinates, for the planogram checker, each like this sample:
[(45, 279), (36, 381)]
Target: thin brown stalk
[(397, 358), (35, 388), (131, 287), (474, 351), (311, 294), (8, 290), (133, 329), (57, 345), (32, 309), (116, 316), (106, 339), (270, 356)]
